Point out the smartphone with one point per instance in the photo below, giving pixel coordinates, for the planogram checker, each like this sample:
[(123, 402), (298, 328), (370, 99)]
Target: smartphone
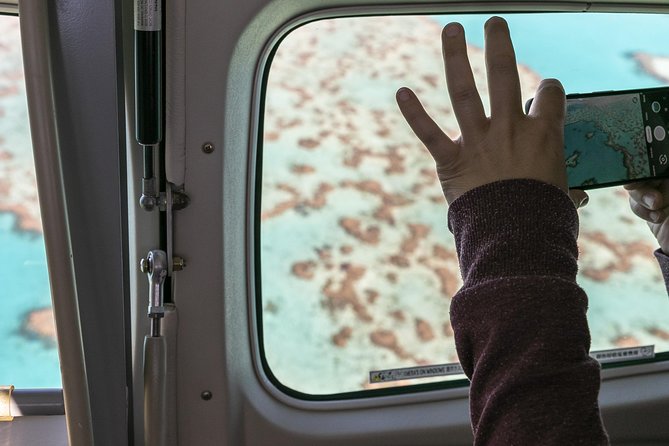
[(616, 137)]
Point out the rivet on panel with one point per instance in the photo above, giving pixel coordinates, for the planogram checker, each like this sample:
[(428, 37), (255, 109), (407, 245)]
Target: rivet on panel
[(207, 147)]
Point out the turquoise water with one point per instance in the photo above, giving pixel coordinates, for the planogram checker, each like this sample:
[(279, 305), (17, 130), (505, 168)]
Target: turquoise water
[(24, 286), (586, 52)]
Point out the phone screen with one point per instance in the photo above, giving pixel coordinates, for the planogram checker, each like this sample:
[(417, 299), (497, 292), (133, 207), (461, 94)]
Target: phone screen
[(613, 138)]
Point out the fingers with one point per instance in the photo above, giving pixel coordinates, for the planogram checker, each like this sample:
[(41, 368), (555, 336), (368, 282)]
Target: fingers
[(650, 215), (579, 197), (465, 98), (549, 101), (440, 146), (651, 184), (503, 80), (649, 198)]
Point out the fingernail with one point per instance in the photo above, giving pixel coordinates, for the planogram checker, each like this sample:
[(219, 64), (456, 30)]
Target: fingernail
[(584, 201), (452, 29), (494, 19), (553, 83), (654, 216), (403, 94), (648, 200)]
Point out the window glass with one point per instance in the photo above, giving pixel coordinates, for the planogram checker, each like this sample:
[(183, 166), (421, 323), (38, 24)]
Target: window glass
[(357, 266), (28, 354)]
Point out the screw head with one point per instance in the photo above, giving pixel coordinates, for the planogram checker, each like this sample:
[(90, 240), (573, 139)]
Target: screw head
[(206, 395), (208, 147)]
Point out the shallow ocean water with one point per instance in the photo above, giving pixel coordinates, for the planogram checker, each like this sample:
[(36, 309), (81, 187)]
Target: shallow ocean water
[(625, 306), (358, 266)]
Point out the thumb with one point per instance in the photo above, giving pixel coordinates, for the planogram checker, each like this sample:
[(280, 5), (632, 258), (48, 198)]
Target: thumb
[(549, 100)]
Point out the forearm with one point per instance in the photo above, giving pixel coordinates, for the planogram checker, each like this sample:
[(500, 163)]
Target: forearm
[(520, 319)]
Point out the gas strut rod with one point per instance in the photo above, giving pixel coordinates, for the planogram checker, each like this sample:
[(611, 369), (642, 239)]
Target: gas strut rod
[(148, 91)]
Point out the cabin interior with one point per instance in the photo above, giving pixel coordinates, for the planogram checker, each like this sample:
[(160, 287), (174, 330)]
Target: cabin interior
[(240, 240)]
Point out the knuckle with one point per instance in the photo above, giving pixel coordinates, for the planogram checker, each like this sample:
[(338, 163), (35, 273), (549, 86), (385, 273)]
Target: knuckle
[(431, 139), (503, 64), (464, 95)]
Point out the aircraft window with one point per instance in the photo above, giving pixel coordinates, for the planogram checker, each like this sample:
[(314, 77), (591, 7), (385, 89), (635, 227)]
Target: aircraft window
[(357, 266), (28, 352)]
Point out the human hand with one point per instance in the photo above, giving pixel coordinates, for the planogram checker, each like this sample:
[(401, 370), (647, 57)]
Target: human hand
[(650, 201), (507, 145)]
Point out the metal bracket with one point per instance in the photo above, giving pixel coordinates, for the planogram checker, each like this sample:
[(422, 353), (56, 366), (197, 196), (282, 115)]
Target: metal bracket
[(151, 199), (168, 201)]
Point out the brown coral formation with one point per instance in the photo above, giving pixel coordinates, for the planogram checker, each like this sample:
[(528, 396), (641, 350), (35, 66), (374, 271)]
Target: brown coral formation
[(392, 156), (424, 330), (625, 341), (308, 143), (304, 270), (398, 315), (659, 333), (440, 252), (623, 253), (387, 339), (372, 296), (417, 233), (340, 339), (389, 201), (354, 227), (302, 169), (296, 201), (344, 294), (449, 281), (39, 324)]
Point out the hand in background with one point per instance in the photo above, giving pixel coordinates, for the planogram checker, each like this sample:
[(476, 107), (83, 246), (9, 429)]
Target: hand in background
[(650, 201), (507, 145)]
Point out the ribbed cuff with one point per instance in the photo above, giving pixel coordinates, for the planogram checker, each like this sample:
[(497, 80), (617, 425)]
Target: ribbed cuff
[(514, 228)]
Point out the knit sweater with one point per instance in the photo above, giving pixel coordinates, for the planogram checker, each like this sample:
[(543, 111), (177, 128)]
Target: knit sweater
[(520, 318)]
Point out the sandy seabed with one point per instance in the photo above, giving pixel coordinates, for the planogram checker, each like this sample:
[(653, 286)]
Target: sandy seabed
[(358, 267)]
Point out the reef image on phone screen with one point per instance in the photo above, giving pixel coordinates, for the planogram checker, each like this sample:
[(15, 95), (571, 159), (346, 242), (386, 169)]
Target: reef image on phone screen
[(616, 138)]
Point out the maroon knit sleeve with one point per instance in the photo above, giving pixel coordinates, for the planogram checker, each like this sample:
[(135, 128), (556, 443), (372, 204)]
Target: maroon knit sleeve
[(663, 260), (520, 318)]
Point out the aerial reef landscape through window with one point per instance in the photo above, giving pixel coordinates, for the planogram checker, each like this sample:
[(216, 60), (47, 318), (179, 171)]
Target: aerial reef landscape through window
[(358, 267), (28, 354)]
